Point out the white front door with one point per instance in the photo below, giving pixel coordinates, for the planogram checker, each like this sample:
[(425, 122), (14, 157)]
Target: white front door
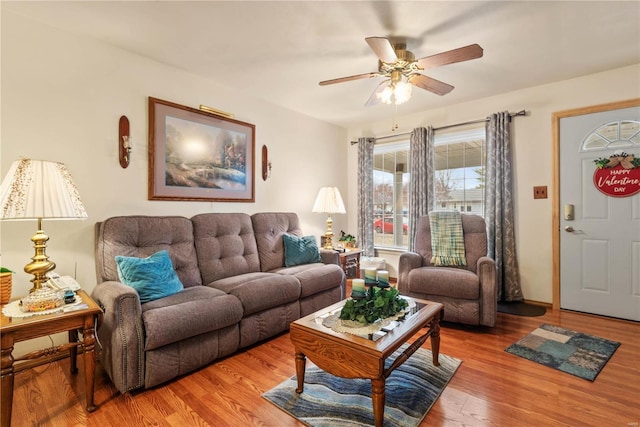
[(600, 246)]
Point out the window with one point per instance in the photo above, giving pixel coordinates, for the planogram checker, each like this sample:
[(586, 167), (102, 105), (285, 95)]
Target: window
[(390, 194), (459, 181), (612, 136), (460, 164)]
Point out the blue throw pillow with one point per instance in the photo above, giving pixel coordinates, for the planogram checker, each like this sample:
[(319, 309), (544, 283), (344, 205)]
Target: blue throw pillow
[(300, 250), (152, 277)]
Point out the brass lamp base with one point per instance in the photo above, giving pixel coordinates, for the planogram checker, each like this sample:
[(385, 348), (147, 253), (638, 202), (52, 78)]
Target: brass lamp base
[(40, 264), (328, 244)]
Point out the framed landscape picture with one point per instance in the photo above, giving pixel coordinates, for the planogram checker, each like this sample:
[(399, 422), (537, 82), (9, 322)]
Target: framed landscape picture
[(200, 156)]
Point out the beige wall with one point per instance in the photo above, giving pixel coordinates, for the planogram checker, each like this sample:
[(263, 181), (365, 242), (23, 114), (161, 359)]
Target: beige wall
[(532, 157), (62, 97)]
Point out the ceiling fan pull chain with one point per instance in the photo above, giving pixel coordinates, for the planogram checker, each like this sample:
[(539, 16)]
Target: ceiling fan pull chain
[(394, 125)]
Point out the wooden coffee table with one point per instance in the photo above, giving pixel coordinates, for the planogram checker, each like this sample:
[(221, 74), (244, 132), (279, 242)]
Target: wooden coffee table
[(351, 356)]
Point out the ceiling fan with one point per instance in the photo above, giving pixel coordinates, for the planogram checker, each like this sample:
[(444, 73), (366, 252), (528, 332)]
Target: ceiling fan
[(403, 70)]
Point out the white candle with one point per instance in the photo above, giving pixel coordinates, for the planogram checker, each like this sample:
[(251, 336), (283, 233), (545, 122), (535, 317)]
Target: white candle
[(370, 275), (358, 289), (383, 277), (358, 285)]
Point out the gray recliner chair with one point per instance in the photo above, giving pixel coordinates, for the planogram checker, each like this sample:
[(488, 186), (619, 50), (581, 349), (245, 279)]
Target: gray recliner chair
[(469, 293)]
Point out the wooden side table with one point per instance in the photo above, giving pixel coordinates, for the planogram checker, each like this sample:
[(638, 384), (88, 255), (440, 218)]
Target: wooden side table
[(17, 329), (351, 255)]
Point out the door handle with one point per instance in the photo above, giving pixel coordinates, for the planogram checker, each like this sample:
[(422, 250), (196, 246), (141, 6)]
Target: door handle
[(570, 229)]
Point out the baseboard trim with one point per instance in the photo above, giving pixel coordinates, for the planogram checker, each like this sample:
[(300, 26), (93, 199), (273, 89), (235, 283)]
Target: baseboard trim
[(542, 304)]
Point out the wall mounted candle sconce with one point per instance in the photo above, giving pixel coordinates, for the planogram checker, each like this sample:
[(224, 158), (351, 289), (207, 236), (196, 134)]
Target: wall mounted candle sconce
[(124, 142), (266, 164)]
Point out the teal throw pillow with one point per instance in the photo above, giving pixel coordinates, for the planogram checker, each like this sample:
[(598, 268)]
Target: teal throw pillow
[(300, 250), (152, 277)]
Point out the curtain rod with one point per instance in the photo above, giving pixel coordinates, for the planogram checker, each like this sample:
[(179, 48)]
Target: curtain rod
[(519, 113)]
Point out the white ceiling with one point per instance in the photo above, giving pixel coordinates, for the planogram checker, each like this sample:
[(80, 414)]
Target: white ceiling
[(279, 51)]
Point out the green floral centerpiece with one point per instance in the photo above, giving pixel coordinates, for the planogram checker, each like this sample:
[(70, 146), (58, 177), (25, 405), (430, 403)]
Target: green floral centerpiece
[(377, 303)]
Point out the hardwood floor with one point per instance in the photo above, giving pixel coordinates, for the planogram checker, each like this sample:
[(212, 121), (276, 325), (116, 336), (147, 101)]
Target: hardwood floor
[(491, 387)]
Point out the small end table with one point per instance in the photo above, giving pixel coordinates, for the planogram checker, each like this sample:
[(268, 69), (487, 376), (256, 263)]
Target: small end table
[(14, 329), (351, 255)]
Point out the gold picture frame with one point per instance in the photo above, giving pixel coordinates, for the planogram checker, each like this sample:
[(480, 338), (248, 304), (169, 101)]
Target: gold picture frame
[(196, 155)]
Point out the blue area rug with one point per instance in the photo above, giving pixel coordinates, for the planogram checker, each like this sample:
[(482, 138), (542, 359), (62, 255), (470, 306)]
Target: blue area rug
[(328, 400), (572, 352)]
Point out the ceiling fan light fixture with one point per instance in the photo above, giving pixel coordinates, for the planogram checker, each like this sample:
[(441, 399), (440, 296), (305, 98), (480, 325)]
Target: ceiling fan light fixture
[(386, 95), (397, 92), (402, 92)]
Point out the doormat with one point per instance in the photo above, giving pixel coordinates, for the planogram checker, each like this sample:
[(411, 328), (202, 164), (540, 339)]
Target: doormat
[(520, 308), (568, 351), (328, 400)]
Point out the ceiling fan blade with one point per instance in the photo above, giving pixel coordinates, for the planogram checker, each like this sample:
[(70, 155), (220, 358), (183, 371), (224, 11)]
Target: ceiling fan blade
[(375, 98), (348, 79), (466, 53), (382, 48), (430, 84)]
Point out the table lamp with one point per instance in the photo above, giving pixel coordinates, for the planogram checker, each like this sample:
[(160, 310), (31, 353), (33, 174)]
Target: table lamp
[(329, 201), (37, 190)]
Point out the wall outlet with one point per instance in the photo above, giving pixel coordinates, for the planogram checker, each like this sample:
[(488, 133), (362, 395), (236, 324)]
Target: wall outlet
[(540, 192)]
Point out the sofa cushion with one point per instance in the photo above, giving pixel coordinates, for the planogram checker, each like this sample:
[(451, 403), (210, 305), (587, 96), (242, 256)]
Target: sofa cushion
[(260, 291), (188, 313), (225, 245), (269, 228), (141, 236), (300, 250), (152, 277), (314, 278), (447, 281)]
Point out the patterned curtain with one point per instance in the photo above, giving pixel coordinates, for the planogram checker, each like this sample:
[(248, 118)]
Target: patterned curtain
[(365, 195), (421, 189), (499, 207)]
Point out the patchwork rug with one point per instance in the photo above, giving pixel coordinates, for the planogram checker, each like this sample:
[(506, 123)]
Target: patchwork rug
[(328, 400), (572, 352)]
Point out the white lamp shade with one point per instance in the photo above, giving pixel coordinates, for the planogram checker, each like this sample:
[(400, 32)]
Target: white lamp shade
[(34, 189), (329, 201)]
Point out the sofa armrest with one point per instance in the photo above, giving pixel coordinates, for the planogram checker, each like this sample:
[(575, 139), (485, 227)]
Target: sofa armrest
[(488, 291), (329, 257), (121, 334), (408, 261)]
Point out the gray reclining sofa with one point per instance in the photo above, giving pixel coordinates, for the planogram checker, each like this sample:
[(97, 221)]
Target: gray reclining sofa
[(237, 291)]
